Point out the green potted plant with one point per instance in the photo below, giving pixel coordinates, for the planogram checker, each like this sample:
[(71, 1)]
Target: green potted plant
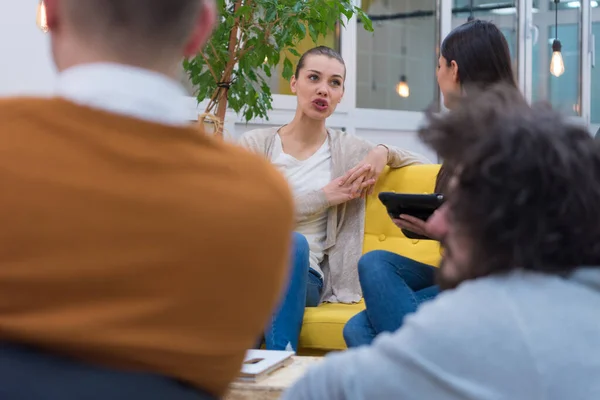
[(252, 39)]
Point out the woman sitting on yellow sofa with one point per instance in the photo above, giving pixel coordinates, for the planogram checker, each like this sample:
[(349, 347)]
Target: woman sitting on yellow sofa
[(475, 54), (329, 172)]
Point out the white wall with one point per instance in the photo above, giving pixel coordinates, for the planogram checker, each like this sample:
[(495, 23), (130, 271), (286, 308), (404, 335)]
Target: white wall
[(25, 63)]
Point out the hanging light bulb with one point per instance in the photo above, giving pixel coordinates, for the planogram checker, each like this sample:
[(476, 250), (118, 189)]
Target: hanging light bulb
[(557, 66), (402, 87), (41, 20)]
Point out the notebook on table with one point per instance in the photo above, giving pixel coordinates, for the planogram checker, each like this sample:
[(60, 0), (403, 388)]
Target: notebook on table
[(258, 364)]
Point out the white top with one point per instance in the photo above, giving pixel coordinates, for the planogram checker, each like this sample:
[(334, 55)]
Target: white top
[(304, 176), (126, 90)]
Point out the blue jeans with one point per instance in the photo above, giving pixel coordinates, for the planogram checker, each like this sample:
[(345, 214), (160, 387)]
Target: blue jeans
[(304, 290), (393, 286), (29, 374)]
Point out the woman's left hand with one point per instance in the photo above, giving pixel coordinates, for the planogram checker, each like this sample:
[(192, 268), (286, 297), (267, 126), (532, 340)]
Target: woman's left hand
[(377, 160)]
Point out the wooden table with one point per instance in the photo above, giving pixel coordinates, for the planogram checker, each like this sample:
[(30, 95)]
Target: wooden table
[(272, 386)]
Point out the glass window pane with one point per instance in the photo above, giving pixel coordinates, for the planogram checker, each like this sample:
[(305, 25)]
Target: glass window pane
[(402, 45), (563, 91)]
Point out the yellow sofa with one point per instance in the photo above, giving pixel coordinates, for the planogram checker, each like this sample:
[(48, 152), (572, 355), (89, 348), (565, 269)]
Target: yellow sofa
[(323, 325)]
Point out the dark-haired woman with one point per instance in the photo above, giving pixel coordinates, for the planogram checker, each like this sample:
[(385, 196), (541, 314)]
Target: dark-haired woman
[(329, 172), (474, 55)]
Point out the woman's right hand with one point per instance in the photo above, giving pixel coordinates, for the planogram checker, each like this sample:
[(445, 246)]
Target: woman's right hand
[(420, 227), (348, 187), (412, 224)]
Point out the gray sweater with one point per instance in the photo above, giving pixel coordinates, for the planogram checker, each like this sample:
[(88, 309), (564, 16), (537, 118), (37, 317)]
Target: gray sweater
[(523, 336)]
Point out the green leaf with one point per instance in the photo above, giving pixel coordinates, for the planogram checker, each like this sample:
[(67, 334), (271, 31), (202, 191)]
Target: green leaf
[(276, 58), (251, 75), (348, 13), (244, 11), (271, 14), (288, 69), (366, 21), (267, 70), (302, 31), (314, 34), (294, 52)]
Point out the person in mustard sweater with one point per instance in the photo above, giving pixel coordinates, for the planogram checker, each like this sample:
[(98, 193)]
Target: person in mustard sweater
[(139, 258)]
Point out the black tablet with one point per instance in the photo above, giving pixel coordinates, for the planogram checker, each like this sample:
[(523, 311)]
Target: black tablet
[(421, 206)]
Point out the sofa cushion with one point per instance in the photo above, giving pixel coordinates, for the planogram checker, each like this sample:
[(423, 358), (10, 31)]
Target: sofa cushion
[(322, 327)]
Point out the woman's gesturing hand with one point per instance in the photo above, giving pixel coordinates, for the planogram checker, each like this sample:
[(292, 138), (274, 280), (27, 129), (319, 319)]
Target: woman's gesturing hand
[(349, 186), (376, 161)]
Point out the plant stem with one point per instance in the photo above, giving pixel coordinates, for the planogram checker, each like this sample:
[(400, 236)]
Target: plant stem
[(212, 46), (226, 78), (210, 68)]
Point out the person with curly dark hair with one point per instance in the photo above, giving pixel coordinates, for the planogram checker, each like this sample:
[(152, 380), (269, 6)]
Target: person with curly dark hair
[(518, 317)]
